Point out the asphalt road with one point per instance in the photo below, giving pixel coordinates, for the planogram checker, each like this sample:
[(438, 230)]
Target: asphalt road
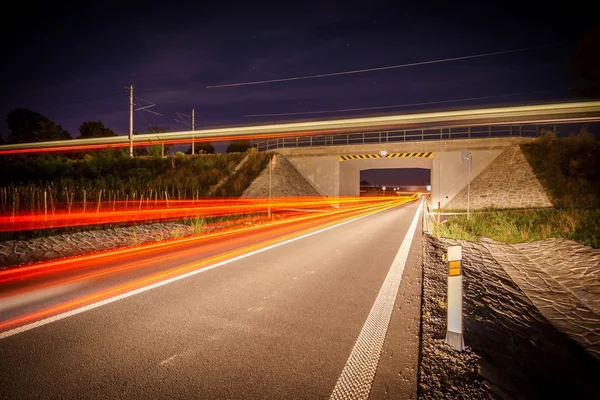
[(277, 324)]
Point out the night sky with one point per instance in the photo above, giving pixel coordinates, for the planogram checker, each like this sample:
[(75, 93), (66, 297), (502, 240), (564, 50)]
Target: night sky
[(71, 63)]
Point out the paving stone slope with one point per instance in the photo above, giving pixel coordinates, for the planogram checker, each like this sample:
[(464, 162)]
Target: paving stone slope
[(286, 181), (518, 353), (508, 182), (16, 252), (561, 278), (574, 266)]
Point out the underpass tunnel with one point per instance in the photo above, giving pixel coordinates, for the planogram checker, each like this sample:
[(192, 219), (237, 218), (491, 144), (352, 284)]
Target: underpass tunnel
[(394, 181), (406, 174)]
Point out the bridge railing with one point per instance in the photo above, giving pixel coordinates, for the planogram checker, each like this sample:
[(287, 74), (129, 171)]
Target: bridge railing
[(404, 135)]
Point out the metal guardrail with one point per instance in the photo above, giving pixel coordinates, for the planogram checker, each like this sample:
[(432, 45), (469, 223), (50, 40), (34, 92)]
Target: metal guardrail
[(404, 135)]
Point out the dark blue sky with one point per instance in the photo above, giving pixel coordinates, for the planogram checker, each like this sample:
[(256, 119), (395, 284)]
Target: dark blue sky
[(71, 63)]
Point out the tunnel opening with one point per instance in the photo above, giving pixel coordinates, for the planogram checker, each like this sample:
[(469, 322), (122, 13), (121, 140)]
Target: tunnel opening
[(394, 181)]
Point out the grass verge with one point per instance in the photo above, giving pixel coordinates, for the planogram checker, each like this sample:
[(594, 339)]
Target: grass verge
[(519, 226)]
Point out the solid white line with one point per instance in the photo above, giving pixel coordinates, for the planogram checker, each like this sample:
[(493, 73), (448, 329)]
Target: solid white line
[(357, 376), (88, 307)]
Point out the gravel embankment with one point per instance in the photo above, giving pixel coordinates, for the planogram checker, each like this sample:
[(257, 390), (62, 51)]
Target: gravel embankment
[(17, 252)]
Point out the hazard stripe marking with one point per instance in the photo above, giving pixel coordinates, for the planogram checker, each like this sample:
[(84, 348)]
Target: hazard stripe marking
[(392, 155)]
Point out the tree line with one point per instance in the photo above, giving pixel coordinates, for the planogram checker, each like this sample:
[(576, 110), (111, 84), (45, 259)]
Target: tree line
[(27, 126)]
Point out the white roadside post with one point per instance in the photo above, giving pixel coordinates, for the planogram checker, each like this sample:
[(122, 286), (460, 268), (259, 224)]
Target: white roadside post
[(454, 335)]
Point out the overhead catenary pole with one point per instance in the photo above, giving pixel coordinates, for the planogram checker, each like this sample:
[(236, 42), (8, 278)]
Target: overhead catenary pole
[(131, 120), (193, 125)]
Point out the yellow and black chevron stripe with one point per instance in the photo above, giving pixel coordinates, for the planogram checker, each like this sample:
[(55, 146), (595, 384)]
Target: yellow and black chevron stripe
[(398, 155), (391, 155), (359, 157)]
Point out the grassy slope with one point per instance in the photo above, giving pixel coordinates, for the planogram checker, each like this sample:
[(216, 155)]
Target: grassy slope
[(582, 225), (569, 169), (117, 175), (239, 181)]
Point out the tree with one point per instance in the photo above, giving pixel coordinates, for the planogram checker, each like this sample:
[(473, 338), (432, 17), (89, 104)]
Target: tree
[(28, 126), (204, 147), (155, 151), (91, 129), (238, 146), (585, 65)]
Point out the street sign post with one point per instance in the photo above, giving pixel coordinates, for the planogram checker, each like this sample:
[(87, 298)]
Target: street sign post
[(271, 167), (467, 159)]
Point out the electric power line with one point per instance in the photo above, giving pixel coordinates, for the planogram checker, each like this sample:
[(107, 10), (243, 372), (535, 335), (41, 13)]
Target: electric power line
[(360, 71), (398, 105), (150, 128), (145, 108), (183, 119), (148, 105)]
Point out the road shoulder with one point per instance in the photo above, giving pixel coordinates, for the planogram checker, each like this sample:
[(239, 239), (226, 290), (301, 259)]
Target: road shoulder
[(396, 376)]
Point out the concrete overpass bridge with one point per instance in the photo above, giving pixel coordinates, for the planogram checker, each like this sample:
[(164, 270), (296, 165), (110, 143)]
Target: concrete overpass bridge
[(334, 170), (332, 163)]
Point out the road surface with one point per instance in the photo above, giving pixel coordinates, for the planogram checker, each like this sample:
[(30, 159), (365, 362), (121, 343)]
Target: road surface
[(279, 323)]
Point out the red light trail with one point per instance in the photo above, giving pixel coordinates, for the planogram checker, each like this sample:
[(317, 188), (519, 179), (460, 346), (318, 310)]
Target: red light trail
[(113, 272), (111, 212)]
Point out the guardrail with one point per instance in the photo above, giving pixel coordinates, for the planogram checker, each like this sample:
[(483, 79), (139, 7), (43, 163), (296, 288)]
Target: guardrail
[(404, 135)]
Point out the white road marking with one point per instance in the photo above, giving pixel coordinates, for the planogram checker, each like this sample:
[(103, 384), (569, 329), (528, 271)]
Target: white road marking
[(357, 376), (122, 296)]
